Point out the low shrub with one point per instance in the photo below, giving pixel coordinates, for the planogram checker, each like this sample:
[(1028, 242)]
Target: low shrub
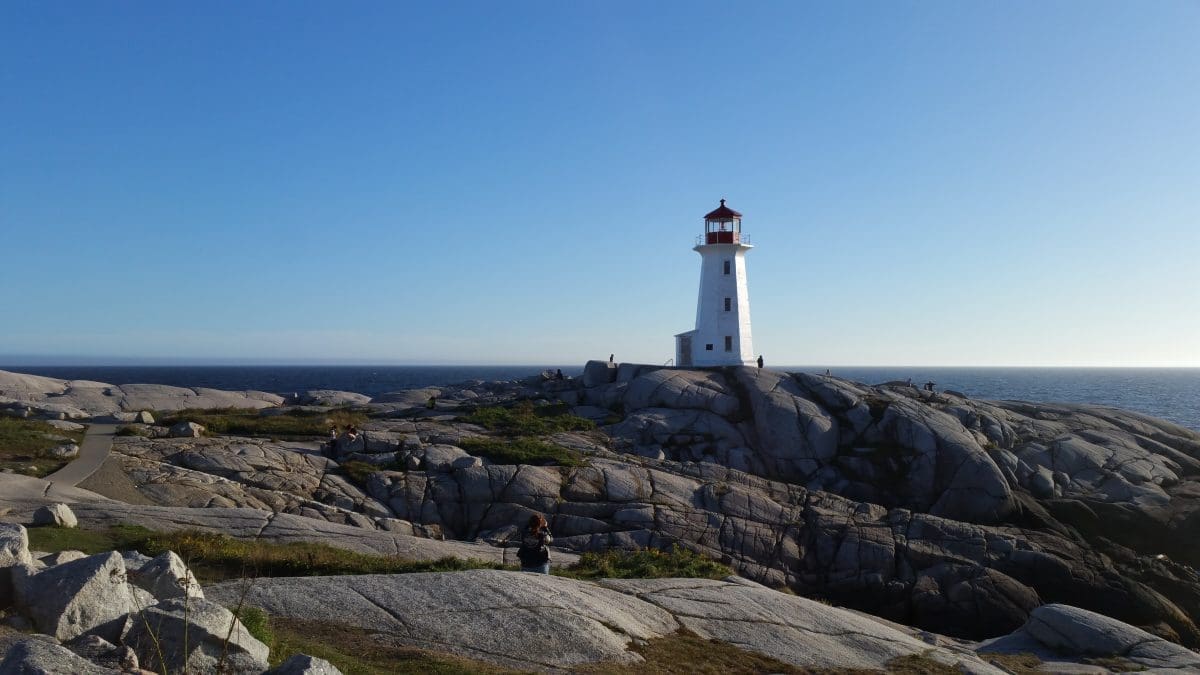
[(521, 450), (357, 471), (647, 563), (524, 419), (129, 430), (248, 422)]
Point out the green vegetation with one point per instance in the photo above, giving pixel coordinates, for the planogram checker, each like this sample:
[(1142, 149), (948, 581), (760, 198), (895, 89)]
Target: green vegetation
[(521, 451), (130, 430), (646, 564), (358, 471), (523, 419), (257, 623), (217, 557), (24, 442), (248, 422), (516, 430), (356, 651)]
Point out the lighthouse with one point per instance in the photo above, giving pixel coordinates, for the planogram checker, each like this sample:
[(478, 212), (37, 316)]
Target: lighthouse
[(722, 333)]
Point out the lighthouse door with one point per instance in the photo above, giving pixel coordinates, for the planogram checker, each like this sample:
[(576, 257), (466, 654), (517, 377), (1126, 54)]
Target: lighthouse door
[(684, 351)]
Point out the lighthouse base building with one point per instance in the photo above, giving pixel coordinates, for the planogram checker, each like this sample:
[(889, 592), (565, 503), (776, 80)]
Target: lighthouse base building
[(722, 335)]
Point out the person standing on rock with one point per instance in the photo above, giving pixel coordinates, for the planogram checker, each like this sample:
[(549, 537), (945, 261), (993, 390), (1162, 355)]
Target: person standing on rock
[(760, 361), (534, 552)]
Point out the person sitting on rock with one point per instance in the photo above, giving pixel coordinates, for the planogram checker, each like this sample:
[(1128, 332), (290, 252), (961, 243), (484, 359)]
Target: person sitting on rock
[(352, 432), (534, 552)]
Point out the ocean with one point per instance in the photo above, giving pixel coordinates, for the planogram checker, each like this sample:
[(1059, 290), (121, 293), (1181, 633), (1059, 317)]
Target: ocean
[(1170, 393)]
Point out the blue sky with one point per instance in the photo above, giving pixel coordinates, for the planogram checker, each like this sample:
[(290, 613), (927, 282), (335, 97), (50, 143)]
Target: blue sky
[(926, 183)]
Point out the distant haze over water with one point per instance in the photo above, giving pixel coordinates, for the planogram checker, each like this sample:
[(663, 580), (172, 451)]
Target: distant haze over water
[(1170, 393)]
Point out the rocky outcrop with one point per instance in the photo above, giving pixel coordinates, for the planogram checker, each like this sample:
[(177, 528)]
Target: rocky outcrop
[(80, 399)]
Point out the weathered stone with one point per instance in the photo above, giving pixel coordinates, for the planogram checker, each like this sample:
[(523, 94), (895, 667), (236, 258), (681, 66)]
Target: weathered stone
[(14, 550), (104, 653), (194, 635), (52, 559), (166, 577), (64, 451), (57, 515), (186, 430), (81, 596), (38, 657)]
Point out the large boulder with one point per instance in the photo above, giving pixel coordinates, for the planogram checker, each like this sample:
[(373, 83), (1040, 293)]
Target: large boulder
[(167, 577), (14, 550), (196, 636), (56, 515), (186, 430), (596, 373), (82, 596)]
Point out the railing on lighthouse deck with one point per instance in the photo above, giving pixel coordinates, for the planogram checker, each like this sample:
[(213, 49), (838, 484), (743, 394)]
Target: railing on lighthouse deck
[(723, 237)]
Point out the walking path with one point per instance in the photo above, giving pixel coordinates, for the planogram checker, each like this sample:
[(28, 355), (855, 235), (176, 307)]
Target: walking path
[(97, 441)]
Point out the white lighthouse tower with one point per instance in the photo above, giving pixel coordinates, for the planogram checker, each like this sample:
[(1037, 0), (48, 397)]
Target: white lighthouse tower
[(722, 333)]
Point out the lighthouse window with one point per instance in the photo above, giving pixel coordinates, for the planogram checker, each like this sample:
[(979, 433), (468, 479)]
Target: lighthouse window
[(728, 343), (726, 267), (708, 347), (728, 304)]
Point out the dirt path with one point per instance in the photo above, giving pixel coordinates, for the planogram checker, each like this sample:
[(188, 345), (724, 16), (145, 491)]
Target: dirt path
[(92, 452)]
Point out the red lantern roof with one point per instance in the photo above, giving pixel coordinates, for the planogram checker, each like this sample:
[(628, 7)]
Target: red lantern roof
[(722, 212)]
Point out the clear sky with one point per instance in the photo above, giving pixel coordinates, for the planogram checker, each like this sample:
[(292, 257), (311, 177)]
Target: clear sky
[(926, 183)]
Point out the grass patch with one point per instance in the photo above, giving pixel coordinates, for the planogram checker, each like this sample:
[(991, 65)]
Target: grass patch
[(248, 422), (130, 430), (24, 442), (1115, 663), (919, 664), (217, 557), (521, 451), (524, 419), (648, 563), (1020, 664), (257, 623), (356, 651)]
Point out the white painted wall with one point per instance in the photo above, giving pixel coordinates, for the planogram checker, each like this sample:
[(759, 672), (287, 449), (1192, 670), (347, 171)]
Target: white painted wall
[(713, 322)]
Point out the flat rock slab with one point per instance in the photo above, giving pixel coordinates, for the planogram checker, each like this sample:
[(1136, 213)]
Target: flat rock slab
[(793, 629), (515, 619)]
